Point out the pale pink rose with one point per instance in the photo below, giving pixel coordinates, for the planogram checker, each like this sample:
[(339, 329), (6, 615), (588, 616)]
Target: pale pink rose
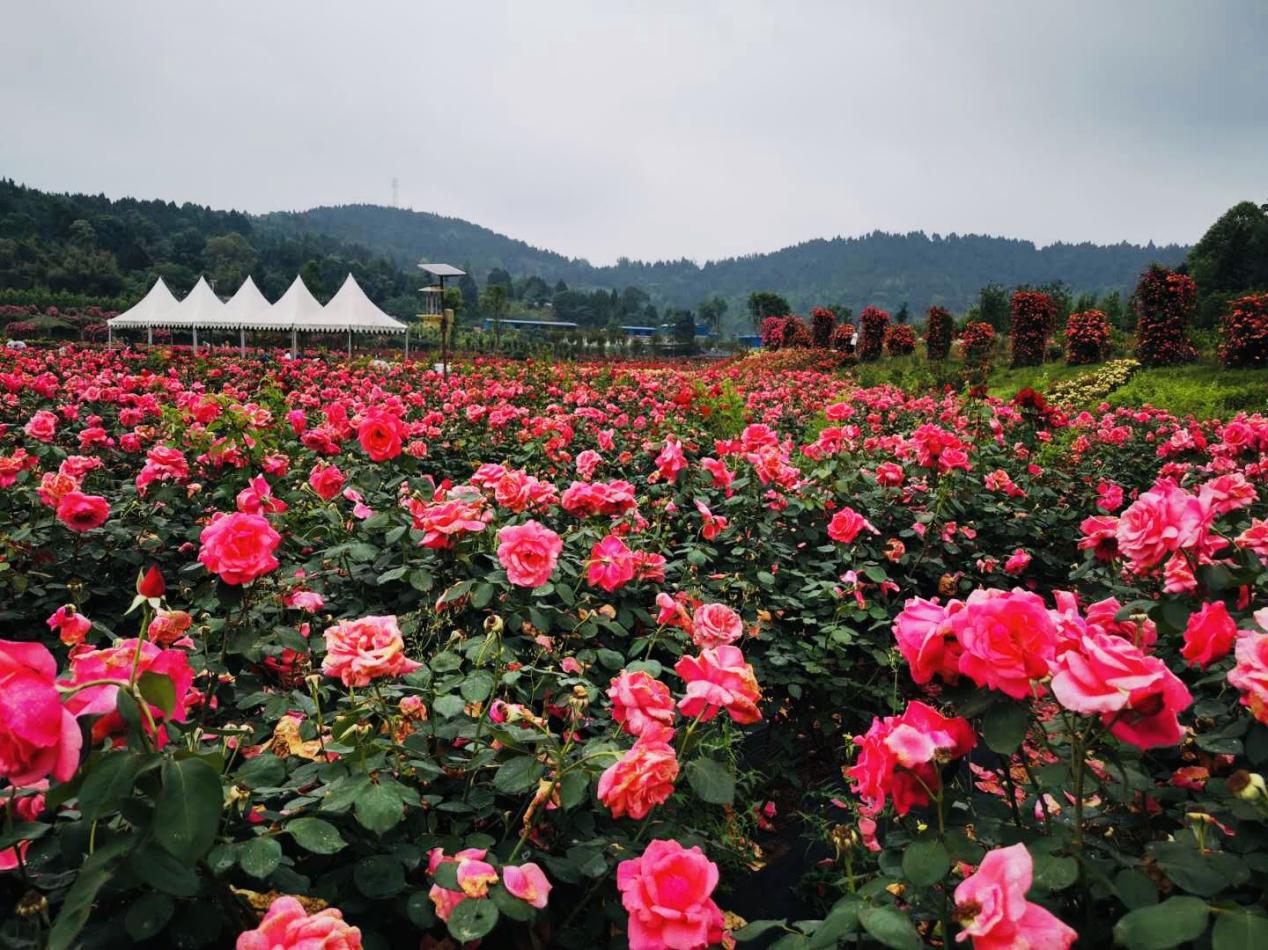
[(715, 625), (1161, 521), (667, 891), (358, 651), (529, 553), (992, 909), (1250, 675), (527, 882), (287, 926)]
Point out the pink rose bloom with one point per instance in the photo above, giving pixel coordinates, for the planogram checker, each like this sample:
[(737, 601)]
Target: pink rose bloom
[(380, 434), (1100, 536), (1162, 520), (612, 564), (475, 877), (1250, 675), (358, 651), (38, 735), (1255, 538), (257, 498), (1018, 562), (846, 525), (527, 882), (115, 663), (715, 625), (287, 926), (1143, 633), (587, 462), (719, 679), (640, 703), (642, 779), (71, 626), (926, 641), (239, 547), (42, 426), (1136, 695), (889, 474), (307, 600), (900, 757), (992, 909), (1008, 640), (1209, 635), (81, 512), (326, 480), (667, 891), (529, 553), (1228, 493)]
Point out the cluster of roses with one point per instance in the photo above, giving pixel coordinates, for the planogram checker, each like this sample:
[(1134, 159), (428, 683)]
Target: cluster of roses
[(823, 322), (900, 340), (939, 328), (1031, 322), (1244, 332), (873, 323), (716, 679), (1164, 302), (1086, 336)]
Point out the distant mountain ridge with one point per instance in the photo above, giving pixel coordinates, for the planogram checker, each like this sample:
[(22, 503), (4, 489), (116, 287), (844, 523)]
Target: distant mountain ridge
[(878, 268)]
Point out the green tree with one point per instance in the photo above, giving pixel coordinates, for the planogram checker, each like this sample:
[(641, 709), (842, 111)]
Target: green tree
[(763, 304), (903, 315), (227, 260), (993, 307), (711, 312), (495, 302), (1231, 259)]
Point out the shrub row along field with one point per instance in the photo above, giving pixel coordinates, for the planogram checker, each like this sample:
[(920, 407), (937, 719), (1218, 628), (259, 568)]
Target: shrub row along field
[(543, 654)]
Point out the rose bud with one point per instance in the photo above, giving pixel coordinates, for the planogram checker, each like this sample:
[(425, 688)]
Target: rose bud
[(151, 583)]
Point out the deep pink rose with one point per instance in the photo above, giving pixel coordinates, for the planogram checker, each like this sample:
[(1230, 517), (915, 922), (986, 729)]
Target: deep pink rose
[(115, 663), (1209, 635), (846, 525), (529, 553), (380, 434), (1162, 520), (926, 641), (1008, 640), (667, 891), (992, 909), (239, 547), (326, 480), (81, 512), (612, 564), (38, 735)]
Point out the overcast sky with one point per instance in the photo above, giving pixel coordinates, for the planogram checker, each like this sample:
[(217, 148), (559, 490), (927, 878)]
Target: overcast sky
[(656, 129)]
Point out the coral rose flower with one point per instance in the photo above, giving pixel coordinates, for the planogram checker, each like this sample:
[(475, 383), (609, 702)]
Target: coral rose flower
[(38, 735), (640, 703), (287, 926), (847, 524), (529, 552), (81, 512), (380, 435), (1209, 635), (719, 679), (1250, 675), (992, 908), (238, 547), (326, 480), (358, 651), (642, 779), (667, 891)]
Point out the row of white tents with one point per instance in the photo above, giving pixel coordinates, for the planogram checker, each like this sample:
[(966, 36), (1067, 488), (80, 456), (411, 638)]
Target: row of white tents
[(349, 311)]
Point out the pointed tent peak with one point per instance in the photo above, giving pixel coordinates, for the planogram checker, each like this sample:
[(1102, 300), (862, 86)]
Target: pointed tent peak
[(247, 308), (157, 299), (298, 290), (200, 308), (352, 309)]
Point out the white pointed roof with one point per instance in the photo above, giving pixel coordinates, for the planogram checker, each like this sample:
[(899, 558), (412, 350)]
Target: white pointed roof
[(296, 309), (200, 308), (155, 302), (351, 309), (247, 308)]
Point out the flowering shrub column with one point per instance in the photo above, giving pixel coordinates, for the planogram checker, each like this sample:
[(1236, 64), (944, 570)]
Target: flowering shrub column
[(822, 323), (939, 327), (1086, 335), (872, 325), (1031, 321), (900, 340), (1244, 332), (1164, 303), (978, 341)]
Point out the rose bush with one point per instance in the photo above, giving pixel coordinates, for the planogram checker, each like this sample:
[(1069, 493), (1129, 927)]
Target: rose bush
[(566, 653)]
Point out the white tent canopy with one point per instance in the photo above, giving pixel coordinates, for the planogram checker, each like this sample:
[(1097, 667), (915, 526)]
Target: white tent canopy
[(147, 308), (349, 311)]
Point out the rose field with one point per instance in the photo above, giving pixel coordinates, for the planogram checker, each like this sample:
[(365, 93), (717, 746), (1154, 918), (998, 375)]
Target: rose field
[(329, 654)]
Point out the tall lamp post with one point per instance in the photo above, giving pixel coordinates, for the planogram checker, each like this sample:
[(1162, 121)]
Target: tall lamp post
[(440, 272)]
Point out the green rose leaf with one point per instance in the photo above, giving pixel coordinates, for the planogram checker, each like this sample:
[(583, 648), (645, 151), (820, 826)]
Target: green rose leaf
[(315, 835), (378, 809), (472, 920), (518, 775), (187, 814), (1004, 727), (712, 781), (890, 928), (1173, 922), (260, 857), (148, 915), (1241, 929), (925, 862)]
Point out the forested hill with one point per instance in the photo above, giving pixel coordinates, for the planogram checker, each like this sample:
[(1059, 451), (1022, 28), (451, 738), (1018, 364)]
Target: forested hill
[(882, 269), (101, 248)]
